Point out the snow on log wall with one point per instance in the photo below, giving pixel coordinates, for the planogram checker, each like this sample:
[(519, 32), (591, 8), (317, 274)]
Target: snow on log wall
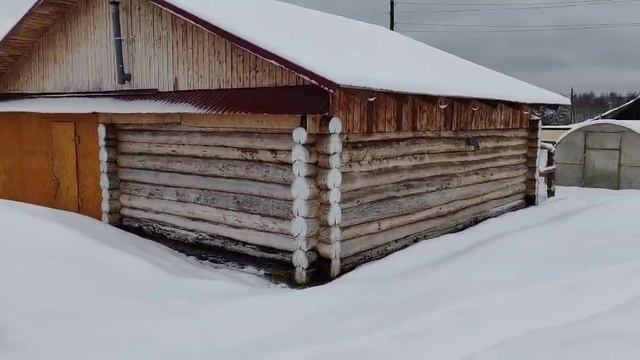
[(232, 190), (397, 190)]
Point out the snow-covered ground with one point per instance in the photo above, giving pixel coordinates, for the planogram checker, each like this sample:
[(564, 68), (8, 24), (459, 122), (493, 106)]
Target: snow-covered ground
[(560, 281)]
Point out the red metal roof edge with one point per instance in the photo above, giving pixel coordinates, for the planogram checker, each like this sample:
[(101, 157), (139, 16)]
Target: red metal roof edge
[(247, 45), (287, 100)]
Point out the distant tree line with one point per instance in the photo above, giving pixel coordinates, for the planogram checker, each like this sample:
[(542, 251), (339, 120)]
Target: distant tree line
[(587, 106)]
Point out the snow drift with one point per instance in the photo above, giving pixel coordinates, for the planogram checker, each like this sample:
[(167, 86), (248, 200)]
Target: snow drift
[(551, 282)]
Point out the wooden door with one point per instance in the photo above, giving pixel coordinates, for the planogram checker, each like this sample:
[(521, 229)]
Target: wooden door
[(65, 166)]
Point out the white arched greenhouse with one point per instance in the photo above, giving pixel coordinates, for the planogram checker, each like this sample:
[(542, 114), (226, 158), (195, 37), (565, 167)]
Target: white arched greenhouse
[(600, 154)]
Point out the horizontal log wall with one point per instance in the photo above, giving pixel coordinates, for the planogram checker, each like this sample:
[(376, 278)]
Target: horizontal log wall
[(162, 51), (396, 189), (228, 189)]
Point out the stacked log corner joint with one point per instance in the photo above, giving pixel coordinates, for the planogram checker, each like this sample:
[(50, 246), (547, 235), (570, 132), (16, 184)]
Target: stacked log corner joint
[(109, 180), (330, 180), (304, 226), (533, 162)]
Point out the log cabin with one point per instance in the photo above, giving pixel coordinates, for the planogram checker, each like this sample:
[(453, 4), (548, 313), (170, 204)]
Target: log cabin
[(259, 128)]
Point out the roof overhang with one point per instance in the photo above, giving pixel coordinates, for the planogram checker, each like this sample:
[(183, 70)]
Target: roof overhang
[(29, 29), (292, 100)]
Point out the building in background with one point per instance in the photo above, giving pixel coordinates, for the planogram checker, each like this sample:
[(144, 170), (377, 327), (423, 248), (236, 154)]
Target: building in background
[(600, 154)]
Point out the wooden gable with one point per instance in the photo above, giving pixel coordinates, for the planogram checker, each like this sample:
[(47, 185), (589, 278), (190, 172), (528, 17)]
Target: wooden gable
[(23, 37), (162, 51)]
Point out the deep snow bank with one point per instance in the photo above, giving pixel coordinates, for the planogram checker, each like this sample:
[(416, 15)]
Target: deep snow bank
[(556, 281)]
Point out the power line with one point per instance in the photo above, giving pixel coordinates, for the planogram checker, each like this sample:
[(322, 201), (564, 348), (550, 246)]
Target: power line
[(510, 3), (371, 10), (546, 26), (536, 7), (594, 27)]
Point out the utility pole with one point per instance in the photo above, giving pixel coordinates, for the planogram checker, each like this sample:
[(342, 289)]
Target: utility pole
[(573, 111), (392, 15)]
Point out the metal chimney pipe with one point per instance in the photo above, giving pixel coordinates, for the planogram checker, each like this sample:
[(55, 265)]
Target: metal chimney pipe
[(122, 75)]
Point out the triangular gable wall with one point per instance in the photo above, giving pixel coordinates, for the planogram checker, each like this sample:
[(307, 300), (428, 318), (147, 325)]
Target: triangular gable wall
[(162, 51)]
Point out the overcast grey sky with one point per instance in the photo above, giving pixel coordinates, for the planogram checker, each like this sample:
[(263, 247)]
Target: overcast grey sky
[(599, 60)]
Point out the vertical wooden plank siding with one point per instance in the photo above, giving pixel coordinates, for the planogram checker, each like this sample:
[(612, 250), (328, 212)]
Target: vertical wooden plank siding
[(35, 155), (37, 148), (162, 51), (379, 112)]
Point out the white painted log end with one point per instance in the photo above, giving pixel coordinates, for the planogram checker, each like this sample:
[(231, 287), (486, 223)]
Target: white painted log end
[(303, 228), (305, 243), (336, 267), (109, 181), (301, 276), (305, 208), (334, 217), (330, 145), (111, 219), (335, 144), (330, 251), (104, 182), (108, 167), (304, 188), (302, 169), (335, 196), (333, 179), (300, 153), (335, 234), (102, 131), (330, 235), (110, 194), (300, 259), (335, 126), (335, 161), (110, 206), (103, 155), (300, 136)]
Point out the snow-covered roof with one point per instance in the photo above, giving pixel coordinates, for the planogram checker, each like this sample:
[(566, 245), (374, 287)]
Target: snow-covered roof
[(614, 112), (355, 54), (631, 125), (83, 105)]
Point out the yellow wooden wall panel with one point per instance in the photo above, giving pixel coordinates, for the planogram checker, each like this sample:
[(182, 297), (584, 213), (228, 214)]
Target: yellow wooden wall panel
[(88, 167), (65, 166), (11, 175), (37, 147)]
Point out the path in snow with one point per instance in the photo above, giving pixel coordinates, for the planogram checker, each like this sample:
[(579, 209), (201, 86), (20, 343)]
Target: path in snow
[(557, 281)]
